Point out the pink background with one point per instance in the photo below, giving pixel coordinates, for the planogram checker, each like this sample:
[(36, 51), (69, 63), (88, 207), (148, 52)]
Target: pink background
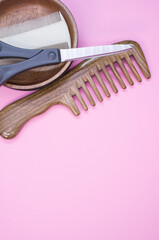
[(94, 176)]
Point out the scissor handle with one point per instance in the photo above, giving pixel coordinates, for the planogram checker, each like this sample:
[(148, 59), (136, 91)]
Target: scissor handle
[(8, 51), (45, 57)]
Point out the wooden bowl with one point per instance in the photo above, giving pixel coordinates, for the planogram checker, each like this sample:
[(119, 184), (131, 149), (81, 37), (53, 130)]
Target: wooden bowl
[(17, 11)]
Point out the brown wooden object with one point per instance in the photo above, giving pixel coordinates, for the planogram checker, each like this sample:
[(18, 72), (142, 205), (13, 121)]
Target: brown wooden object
[(15, 115), (17, 11)]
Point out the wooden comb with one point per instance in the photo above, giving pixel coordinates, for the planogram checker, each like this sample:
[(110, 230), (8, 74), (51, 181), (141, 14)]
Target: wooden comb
[(15, 115)]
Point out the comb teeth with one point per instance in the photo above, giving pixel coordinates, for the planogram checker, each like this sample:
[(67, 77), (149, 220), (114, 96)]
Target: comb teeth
[(101, 82), (81, 82), (124, 70), (117, 75), (95, 89), (30, 25), (97, 66), (76, 92), (108, 77), (132, 67)]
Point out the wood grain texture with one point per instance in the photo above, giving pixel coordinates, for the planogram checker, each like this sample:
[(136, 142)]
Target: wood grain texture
[(15, 115), (14, 12)]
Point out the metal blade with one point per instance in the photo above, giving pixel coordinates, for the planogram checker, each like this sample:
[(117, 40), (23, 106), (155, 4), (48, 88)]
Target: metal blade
[(89, 52)]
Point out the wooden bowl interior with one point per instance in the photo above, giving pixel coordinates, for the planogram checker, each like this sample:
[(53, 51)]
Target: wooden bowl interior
[(18, 11)]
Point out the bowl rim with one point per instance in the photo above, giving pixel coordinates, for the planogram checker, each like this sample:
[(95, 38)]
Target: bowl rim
[(30, 87)]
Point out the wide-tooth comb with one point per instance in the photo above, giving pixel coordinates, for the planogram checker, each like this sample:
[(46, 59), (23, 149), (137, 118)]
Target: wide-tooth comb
[(15, 115)]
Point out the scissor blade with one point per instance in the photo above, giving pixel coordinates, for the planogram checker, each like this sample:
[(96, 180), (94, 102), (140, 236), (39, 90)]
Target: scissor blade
[(89, 52)]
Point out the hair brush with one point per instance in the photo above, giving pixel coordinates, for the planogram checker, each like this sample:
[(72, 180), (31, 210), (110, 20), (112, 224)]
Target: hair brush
[(15, 115)]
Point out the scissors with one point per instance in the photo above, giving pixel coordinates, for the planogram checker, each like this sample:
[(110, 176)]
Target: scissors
[(44, 57)]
